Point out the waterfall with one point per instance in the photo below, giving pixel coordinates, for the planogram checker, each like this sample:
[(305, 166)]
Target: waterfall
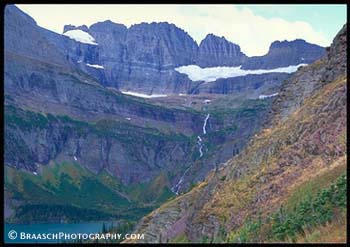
[(177, 186), (200, 144), (205, 123)]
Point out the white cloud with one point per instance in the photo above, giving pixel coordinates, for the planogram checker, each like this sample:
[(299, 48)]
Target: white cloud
[(252, 32)]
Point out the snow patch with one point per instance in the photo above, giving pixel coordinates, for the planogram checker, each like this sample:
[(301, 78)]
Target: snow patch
[(196, 73), (75, 158), (35, 173), (96, 66), (263, 96), (80, 36), (128, 118), (141, 95)]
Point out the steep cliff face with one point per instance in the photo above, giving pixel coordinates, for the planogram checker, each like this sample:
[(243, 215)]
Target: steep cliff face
[(161, 45), (123, 150), (112, 51), (153, 51), (216, 51), (19, 28), (49, 88), (142, 58), (277, 163), (250, 85)]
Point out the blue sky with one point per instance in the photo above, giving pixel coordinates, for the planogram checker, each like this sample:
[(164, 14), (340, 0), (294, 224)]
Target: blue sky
[(326, 18), (253, 27)]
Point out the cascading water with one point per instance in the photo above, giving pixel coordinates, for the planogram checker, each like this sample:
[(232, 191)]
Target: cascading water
[(205, 124), (200, 144), (177, 186)]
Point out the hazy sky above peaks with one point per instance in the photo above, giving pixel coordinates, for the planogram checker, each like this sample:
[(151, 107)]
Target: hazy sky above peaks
[(253, 27)]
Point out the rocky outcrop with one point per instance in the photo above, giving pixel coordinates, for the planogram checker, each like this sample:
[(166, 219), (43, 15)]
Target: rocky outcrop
[(308, 79)]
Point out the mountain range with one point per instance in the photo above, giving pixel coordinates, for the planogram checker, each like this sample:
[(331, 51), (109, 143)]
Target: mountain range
[(143, 58)]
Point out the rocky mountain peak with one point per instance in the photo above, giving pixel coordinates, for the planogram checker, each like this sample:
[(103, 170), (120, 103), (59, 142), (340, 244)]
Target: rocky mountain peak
[(70, 27), (286, 43), (11, 12), (160, 44), (335, 56), (286, 53), (218, 51), (107, 26)]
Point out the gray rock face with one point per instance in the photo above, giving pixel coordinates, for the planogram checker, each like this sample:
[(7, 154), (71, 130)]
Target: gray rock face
[(112, 52), (48, 88), (285, 53), (336, 61), (143, 57), (126, 152), (23, 36), (79, 55), (250, 85), (216, 51), (160, 45)]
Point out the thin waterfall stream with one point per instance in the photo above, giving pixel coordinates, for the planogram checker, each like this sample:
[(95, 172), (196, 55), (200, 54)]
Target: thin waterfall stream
[(177, 186)]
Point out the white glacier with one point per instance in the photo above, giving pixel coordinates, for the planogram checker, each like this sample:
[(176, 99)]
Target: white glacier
[(141, 95), (196, 73), (80, 36)]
